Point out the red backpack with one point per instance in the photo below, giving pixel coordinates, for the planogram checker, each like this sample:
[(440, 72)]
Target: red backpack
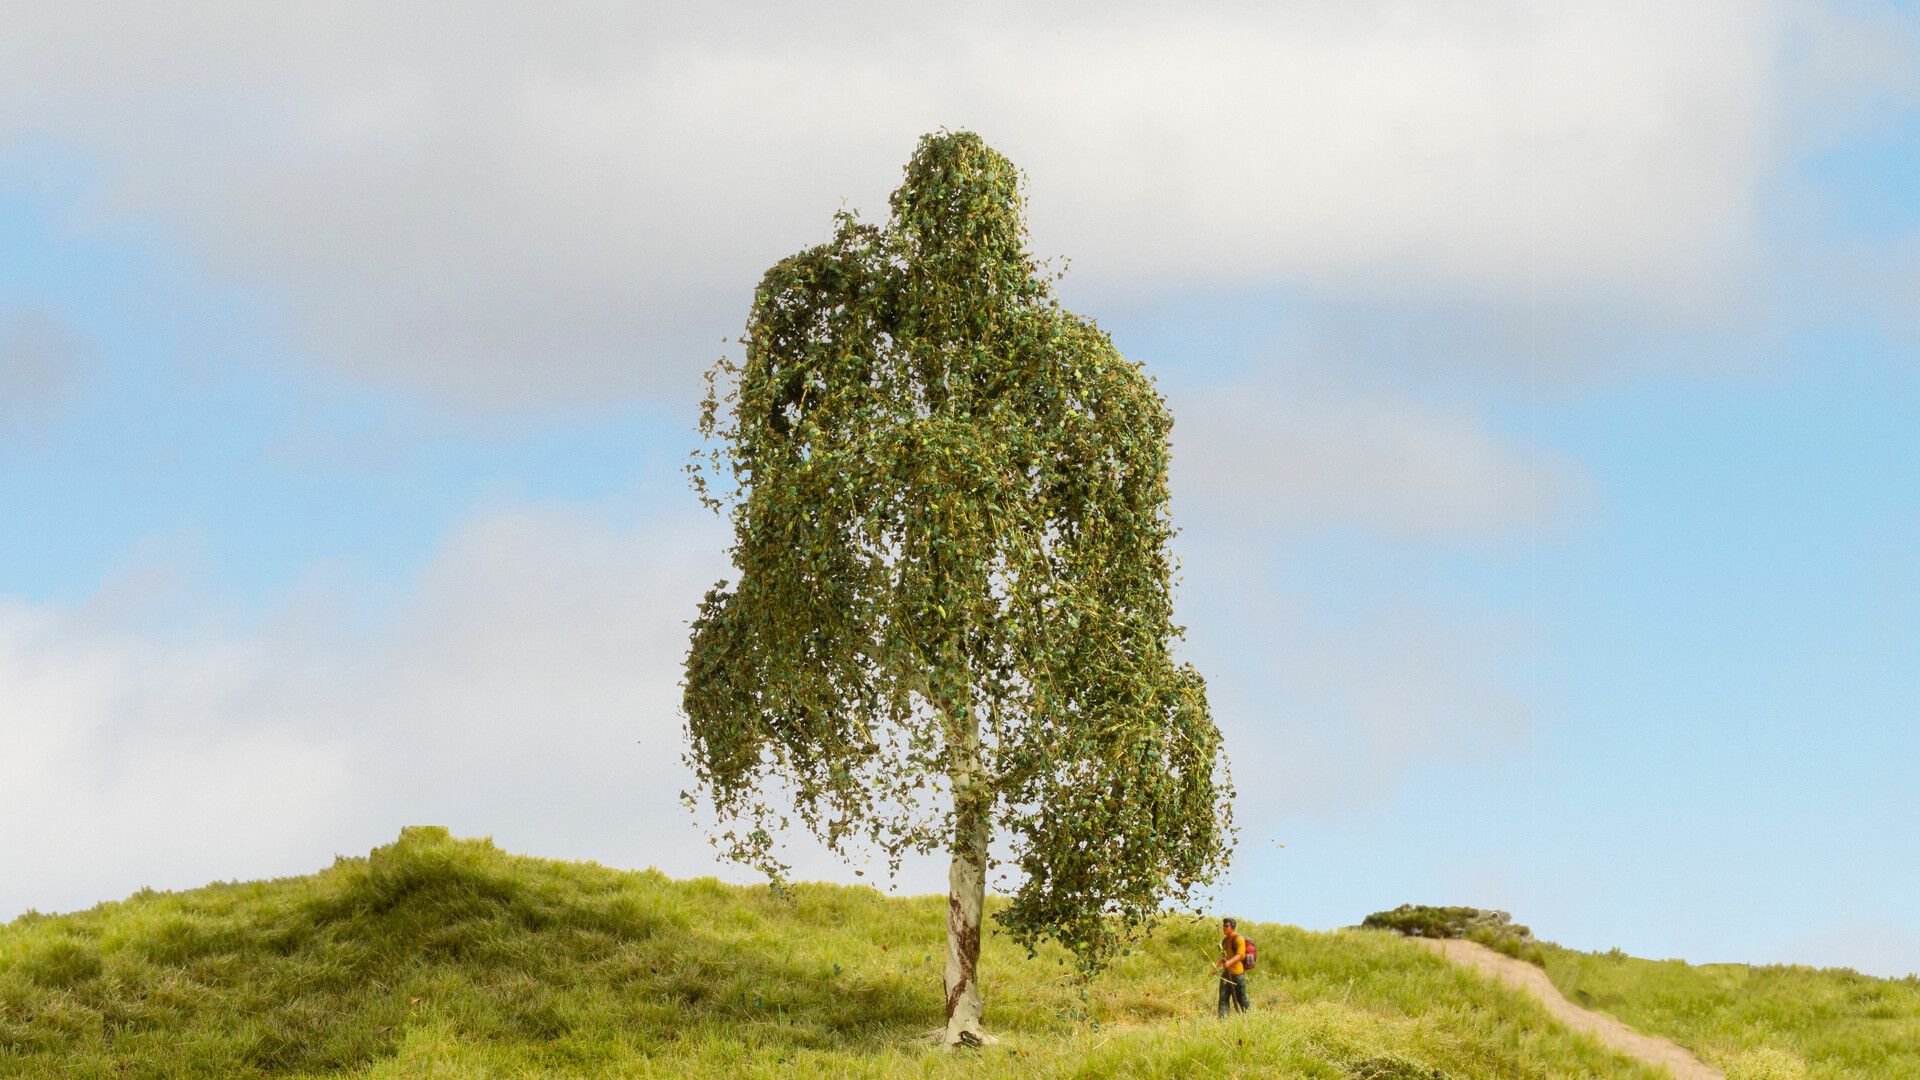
[(1246, 962)]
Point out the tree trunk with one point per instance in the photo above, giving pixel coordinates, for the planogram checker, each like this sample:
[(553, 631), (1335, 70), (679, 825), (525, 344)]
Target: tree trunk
[(966, 890)]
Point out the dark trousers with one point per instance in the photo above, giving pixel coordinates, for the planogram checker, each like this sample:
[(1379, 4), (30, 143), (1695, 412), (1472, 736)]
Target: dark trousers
[(1233, 991)]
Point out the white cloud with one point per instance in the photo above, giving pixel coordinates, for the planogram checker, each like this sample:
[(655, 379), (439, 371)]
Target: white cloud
[(1854, 65), (1269, 454), (1330, 703), (526, 689), (1333, 718), (510, 206), (122, 764), (41, 362)]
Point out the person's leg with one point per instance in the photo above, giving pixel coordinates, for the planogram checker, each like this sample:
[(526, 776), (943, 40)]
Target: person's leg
[(1226, 995), (1240, 992)]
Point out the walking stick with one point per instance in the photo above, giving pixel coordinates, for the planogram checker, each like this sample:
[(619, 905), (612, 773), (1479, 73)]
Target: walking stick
[(1218, 970)]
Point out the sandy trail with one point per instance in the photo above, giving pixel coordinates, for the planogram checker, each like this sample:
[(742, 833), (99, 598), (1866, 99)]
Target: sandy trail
[(1615, 1035)]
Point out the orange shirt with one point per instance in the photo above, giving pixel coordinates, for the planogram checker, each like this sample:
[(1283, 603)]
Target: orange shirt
[(1234, 948)]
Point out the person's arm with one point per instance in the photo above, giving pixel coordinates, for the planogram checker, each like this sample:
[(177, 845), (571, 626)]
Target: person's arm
[(1239, 949)]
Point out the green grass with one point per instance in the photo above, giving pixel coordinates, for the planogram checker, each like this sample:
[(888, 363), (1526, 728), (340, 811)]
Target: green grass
[(1757, 1023), (443, 957)]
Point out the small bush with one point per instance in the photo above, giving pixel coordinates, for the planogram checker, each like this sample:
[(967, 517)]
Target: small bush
[(1520, 948), (1494, 929), (1426, 920)]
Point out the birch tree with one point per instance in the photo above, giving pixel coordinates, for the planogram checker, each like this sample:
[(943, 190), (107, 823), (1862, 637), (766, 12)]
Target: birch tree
[(950, 627)]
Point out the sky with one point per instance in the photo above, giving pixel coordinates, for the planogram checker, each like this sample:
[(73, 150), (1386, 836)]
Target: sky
[(1546, 383)]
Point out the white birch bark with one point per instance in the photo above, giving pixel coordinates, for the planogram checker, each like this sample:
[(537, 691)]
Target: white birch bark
[(966, 892)]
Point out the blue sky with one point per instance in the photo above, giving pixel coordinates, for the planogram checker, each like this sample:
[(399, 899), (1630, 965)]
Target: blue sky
[(1546, 388)]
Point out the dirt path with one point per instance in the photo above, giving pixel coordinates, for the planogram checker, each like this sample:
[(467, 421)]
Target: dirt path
[(1615, 1035)]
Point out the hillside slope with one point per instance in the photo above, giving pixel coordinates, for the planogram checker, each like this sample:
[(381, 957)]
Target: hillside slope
[(1758, 1022), (1677, 1060), (444, 957)]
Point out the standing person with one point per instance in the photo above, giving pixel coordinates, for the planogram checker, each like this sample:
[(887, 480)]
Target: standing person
[(1233, 969)]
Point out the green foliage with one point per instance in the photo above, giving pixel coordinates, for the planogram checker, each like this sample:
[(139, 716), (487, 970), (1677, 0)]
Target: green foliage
[(953, 611), (450, 958), (1426, 920), (1775, 1022), (1494, 929)]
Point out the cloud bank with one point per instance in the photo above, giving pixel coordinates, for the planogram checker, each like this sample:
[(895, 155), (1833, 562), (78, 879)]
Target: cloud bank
[(526, 689), (1271, 456), (510, 207)]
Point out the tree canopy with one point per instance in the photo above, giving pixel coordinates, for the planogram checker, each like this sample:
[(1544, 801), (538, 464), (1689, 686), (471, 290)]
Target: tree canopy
[(952, 618)]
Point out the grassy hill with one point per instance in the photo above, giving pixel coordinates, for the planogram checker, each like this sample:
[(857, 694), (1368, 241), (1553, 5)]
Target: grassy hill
[(442, 957), (1756, 1021)]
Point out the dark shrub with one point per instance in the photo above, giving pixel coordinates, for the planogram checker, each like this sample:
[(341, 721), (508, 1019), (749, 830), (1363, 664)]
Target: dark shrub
[(1494, 929)]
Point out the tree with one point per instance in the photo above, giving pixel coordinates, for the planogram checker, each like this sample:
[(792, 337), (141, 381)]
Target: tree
[(952, 622)]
